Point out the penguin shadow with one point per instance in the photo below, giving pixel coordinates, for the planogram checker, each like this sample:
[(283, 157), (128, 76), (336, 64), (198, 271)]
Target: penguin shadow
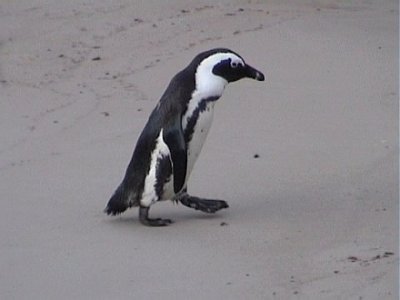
[(194, 216), (255, 210), (178, 217)]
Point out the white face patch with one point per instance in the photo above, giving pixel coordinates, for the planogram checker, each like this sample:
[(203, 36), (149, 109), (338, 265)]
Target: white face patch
[(207, 83)]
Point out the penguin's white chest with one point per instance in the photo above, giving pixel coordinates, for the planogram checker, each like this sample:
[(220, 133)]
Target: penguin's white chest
[(199, 135)]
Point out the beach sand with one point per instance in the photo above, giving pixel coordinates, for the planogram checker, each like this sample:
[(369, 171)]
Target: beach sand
[(307, 160)]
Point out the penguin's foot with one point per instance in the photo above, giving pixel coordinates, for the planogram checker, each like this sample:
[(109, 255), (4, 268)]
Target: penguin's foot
[(145, 220), (204, 205)]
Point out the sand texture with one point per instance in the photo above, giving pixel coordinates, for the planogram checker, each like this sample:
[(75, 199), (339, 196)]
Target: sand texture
[(307, 159)]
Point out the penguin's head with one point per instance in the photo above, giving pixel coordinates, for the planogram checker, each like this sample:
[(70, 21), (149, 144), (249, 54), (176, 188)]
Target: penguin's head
[(232, 68), (217, 67)]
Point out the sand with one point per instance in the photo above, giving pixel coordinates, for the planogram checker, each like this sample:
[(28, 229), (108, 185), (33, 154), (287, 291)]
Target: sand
[(308, 159)]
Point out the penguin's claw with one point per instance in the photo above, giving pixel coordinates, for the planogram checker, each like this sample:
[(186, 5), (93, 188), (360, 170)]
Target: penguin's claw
[(145, 220)]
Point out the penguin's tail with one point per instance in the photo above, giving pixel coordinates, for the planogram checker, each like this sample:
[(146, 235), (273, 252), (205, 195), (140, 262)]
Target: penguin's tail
[(118, 203)]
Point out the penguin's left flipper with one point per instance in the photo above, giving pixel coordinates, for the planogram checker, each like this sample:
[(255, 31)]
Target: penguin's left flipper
[(175, 140), (204, 205)]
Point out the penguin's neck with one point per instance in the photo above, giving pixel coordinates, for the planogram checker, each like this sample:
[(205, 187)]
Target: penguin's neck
[(209, 88), (207, 83)]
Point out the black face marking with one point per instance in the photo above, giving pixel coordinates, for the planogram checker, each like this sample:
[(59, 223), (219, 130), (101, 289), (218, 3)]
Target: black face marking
[(189, 130), (200, 57), (231, 71)]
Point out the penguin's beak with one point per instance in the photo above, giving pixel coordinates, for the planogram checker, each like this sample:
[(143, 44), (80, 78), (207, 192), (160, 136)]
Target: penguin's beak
[(253, 73)]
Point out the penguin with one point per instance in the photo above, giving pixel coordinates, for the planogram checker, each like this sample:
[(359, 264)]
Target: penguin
[(171, 141)]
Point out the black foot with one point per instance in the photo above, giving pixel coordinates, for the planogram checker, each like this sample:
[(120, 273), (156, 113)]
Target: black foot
[(145, 220), (204, 205)]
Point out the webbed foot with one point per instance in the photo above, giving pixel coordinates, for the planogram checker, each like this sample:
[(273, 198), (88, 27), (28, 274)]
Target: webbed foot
[(204, 205), (145, 220)]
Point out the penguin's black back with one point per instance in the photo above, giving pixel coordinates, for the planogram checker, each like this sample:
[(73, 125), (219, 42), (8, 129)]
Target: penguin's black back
[(172, 104)]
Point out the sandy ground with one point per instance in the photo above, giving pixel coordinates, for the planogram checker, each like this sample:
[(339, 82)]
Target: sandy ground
[(314, 216)]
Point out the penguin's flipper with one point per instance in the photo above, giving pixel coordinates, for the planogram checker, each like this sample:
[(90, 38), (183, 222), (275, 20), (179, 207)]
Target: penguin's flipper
[(173, 137)]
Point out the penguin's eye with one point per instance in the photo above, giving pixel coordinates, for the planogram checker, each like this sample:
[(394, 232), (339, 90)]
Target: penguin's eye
[(234, 64)]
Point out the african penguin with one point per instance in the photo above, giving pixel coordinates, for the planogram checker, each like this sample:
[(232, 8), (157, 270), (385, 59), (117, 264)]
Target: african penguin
[(172, 139)]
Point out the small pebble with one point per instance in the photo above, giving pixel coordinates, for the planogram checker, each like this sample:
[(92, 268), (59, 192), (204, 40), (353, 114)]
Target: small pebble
[(387, 253), (352, 258)]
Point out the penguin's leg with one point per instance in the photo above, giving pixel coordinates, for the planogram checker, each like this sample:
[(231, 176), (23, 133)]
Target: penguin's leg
[(204, 205), (145, 220)]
